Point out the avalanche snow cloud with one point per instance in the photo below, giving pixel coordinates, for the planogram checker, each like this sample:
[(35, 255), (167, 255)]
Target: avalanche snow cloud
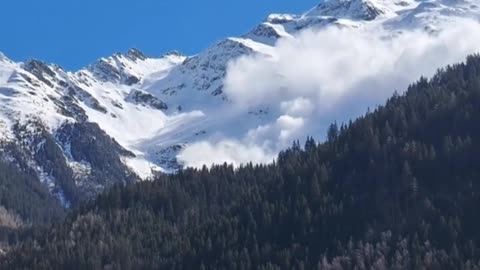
[(318, 77)]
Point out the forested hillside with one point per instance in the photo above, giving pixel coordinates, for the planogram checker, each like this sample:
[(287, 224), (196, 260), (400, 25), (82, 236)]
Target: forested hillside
[(24, 196), (24, 202), (396, 189)]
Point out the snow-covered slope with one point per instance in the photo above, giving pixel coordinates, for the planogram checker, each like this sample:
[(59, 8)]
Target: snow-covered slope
[(149, 109)]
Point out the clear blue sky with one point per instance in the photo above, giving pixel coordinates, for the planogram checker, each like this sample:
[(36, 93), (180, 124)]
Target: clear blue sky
[(73, 33)]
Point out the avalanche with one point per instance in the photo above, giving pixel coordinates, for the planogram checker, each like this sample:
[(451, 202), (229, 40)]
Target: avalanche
[(179, 110)]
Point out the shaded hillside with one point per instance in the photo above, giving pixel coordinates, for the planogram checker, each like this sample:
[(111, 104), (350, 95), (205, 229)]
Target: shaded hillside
[(24, 201), (22, 195)]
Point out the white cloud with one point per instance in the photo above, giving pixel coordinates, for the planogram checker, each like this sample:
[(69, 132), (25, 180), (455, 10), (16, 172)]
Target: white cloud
[(288, 126), (328, 66), (329, 75), (229, 151), (298, 106)]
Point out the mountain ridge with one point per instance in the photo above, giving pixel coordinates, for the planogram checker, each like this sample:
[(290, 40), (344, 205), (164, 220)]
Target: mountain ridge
[(147, 110)]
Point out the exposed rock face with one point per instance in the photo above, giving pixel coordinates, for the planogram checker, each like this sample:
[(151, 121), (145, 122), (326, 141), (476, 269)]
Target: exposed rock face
[(119, 68), (41, 70), (87, 145), (350, 9), (75, 163), (135, 54), (146, 99)]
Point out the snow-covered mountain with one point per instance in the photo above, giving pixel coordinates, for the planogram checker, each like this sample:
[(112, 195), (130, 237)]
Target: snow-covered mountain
[(128, 116)]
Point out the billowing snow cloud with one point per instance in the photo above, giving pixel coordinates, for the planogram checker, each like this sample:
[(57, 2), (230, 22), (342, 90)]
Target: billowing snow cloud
[(229, 151), (319, 77)]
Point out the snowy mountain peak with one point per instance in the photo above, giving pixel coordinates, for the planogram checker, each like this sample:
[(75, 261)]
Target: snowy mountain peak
[(130, 68), (350, 9), (280, 18), (38, 68), (135, 54), (47, 73), (3, 58), (116, 68), (174, 53)]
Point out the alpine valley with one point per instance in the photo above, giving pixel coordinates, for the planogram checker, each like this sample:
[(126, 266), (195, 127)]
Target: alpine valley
[(129, 116), (260, 152)]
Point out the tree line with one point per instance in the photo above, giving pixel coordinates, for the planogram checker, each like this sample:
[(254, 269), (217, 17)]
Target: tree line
[(398, 188)]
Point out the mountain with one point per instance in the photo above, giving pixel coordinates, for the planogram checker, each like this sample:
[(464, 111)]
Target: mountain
[(395, 189), (128, 116)]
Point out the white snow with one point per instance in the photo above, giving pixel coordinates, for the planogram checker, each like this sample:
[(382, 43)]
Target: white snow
[(201, 114)]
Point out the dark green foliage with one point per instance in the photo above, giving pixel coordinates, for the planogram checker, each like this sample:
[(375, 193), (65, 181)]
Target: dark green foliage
[(24, 195), (396, 189), (87, 142), (52, 160)]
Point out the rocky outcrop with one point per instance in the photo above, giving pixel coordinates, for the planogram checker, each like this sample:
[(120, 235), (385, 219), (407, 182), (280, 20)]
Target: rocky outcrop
[(143, 98)]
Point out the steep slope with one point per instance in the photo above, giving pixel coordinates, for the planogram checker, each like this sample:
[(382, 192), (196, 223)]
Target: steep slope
[(128, 116), (40, 105), (396, 189), (22, 195), (53, 116), (198, 83)]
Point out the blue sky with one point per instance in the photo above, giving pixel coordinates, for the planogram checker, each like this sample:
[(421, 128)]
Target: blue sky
[(73, 33)]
